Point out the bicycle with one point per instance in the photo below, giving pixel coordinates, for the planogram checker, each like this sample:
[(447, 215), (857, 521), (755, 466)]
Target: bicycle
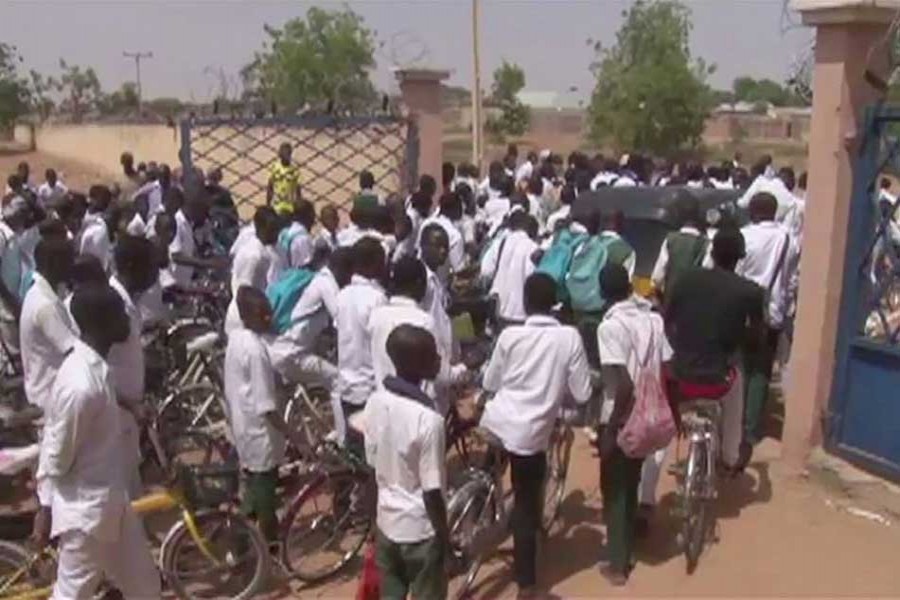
[(208, 547), (330, 517), (697, 488), (559, 453)]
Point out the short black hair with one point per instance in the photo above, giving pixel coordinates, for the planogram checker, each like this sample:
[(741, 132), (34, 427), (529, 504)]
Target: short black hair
[(728, 246), (536, 185), (433, 229), (92, 304), (427, 185), (265, 218), (305, 212), (540, 294), (448, 172), (88, 269), (368, 255), (49, 251), (614, 282), (409, 278), (763, 205), (366, 180), (405, 346), (450, 203), (131, 250)]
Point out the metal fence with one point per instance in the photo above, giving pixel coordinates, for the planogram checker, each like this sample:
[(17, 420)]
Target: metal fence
[(329, 151)]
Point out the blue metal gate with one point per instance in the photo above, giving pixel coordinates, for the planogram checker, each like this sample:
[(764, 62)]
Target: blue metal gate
[(330, 151), (864, 419)]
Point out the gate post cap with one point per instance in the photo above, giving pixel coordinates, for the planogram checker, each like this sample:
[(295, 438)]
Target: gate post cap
[(421, 75), (832, 12)]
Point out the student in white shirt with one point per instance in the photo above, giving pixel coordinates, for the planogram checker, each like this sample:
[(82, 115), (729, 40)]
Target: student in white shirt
[(136, 272), (765, 180), (12, 270), (630, 331), (81, 484), (46, 332), (295, 246), (526, 170), (607, 175), (94, 237), (418, 209), (514, 264), (367, 187), (532, 367), (770, 261), (183, 249), (450, 213), (685, 248), (52, 192), (560, 217), (356, 374), (405, 445), (252, 261), (254, 412), (328, 227), (498, 205), (407, 288), (435, 249)]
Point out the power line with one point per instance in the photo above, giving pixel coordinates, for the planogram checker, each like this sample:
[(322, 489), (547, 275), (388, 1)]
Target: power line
[(138, 56)]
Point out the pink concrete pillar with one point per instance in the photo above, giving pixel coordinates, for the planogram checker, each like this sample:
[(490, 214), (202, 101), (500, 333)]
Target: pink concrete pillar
[(421, 91), (846, 30)]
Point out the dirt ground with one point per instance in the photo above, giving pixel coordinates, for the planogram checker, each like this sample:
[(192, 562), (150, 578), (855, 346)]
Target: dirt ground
[(74, 175), (777, 536)]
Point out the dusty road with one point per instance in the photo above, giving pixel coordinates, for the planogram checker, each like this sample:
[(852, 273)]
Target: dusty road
[(777, 537)]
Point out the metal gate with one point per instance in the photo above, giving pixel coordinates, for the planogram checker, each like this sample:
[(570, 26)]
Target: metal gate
[(864, 423), (330, 152)]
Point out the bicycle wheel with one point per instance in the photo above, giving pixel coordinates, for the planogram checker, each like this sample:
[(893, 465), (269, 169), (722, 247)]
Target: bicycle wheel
[(310, 413), (555, 482), (327, 524), (696, 503), (469, 513), (235, 568), (24, 574), (194, 407)]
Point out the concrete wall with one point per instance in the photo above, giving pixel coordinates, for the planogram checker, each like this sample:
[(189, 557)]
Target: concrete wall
[(101, 145)]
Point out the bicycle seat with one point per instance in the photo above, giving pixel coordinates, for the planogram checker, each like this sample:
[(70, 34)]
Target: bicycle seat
[(203, 342)]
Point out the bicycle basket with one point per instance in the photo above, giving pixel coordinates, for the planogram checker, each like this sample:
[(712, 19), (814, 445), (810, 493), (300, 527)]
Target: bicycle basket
[(209, 486)]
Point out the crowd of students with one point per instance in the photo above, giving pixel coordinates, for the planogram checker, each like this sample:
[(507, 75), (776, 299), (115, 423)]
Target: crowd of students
[(83, 275)]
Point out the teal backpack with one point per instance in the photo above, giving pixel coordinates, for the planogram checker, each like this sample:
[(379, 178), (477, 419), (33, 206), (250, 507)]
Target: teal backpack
[(583, 282), (286, 240), (284, 294), (558, 258)]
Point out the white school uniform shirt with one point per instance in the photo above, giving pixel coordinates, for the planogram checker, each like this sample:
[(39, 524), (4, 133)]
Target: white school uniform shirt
[(658, 275), (137, 227), (250, 267), (776, 187), (46, 335), (81, 474), (630, 332), (625, 181), (495, 210), (126, 359), (398, 310), (48, 194), (764, 243), (250, 394), (456, 258), (531, 369), (561, 214), (602, 179), (94, 240), (182, 243), (435, 304), (524, 172), (406, 447), (514, 265), (316, 308), (301, 249), (356, 374)]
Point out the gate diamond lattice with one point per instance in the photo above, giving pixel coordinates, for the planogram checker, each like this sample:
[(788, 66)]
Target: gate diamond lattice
[(330, 152)]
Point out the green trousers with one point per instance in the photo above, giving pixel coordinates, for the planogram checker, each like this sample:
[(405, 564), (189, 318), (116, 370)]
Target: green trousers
[(757, 374), (619, 480), (260, 501), (416, 569)]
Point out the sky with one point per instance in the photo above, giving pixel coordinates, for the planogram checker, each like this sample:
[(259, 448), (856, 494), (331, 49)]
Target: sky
[(196, 44)]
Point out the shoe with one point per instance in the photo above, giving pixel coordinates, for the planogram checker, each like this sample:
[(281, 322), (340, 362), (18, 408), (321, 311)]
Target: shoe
[(744, 456), (641, 526), (615, 577)]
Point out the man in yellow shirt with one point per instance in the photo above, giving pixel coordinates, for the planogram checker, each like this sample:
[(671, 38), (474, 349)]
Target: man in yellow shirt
[(284, 182)]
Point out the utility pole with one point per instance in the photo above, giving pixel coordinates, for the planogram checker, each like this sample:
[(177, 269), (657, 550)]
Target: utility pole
[(137, 56), (477, 146)]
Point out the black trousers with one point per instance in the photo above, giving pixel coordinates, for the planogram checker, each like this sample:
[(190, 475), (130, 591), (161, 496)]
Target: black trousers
[(354, 441), (527, 473)]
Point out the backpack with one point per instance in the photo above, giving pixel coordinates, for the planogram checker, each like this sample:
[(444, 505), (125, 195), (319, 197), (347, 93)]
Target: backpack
[(686, 250), (283, 295), (583, 281), (286, 240), (651, 425), (558, 258)]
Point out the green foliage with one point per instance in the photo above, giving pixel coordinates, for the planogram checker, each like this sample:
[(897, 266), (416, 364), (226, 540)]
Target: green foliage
[(80, 89), (747, 89), (650, 95), (41, 89), (122, 101), (15, 95), (167, 107), (323, 58), (509, 80)]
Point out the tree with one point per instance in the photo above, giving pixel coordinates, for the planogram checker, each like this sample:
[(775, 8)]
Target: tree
[(321, 60), (15, 95), (122, 101), (650, 94), (41, 89), (509, 80), (747, 89), (80, 89)]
